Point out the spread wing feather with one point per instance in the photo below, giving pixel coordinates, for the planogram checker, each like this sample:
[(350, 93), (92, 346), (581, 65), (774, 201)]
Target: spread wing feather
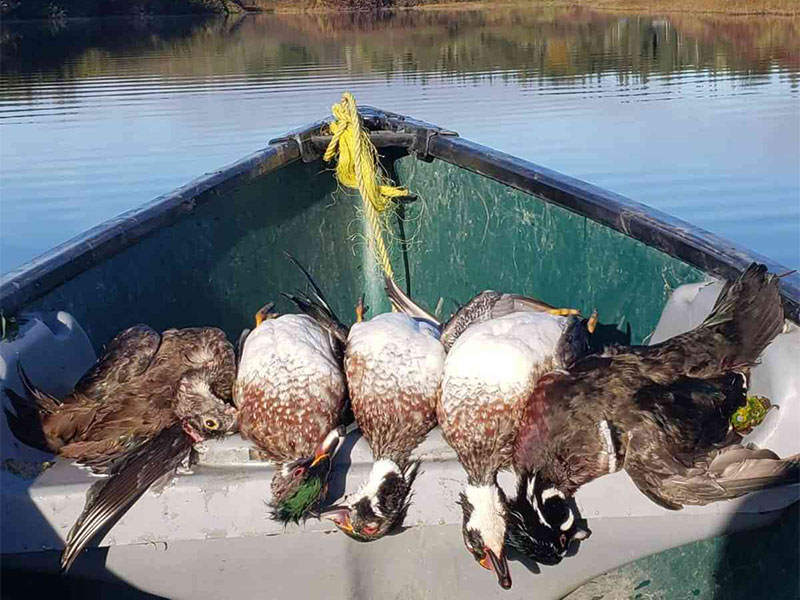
[(131, 475)]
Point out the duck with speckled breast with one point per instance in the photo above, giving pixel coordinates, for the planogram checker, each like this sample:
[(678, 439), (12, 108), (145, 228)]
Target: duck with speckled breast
[(393, 364), (291, 394), (499, 344)]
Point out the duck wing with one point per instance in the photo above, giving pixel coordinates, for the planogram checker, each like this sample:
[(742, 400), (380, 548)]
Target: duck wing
[(716, 475), (485, 306), (681, 451), (125, 358), (130, 475), (125, 421)]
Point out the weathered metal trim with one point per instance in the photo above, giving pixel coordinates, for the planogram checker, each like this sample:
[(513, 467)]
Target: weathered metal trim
[(302, 139), (380, 139), (44, 273), (708, 252)]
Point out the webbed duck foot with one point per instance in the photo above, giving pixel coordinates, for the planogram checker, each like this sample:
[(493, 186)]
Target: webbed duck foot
[(591, 324), (264, 313), (563, 312)]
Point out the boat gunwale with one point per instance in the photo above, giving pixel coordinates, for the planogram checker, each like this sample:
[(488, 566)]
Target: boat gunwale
[(702, 249)]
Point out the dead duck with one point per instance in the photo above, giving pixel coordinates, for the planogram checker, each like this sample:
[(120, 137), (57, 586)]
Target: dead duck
[(290, 394), (488, 374), (393, 364), (499, 345), (132, 417), (659, 412)]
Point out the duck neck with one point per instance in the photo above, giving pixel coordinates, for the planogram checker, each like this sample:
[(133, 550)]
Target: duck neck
[(488, 514)]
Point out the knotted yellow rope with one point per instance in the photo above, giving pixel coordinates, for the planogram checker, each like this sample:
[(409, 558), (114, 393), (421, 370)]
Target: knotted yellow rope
[(358, 168)]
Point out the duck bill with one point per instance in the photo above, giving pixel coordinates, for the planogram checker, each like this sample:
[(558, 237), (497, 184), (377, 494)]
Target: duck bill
[(324, 453), (500, 567), (196, 436), (340, 515)]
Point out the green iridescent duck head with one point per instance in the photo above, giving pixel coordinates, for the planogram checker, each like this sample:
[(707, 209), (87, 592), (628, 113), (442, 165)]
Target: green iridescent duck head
[(300, 486)]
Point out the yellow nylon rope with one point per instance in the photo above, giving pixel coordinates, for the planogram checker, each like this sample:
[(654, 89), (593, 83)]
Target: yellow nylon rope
[(357, 168)]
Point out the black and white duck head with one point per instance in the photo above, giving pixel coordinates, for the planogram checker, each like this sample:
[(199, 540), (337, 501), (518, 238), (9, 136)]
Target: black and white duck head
[(542, 521), (484, 529), (379, 505)]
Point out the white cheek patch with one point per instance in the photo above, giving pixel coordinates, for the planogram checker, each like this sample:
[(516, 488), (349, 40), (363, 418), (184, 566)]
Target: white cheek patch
[(369, 489), (376, 506), (531, 486), (488, 515), (565, 526), (581, 534), (552, 492), (535, 503)]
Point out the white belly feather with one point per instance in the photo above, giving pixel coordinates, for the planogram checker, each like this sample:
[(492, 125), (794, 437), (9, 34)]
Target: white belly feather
[(291, 357), (398, 350), (497, 358)]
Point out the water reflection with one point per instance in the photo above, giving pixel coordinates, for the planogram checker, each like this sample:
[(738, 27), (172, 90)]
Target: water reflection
[(97, 116), (553, 42)]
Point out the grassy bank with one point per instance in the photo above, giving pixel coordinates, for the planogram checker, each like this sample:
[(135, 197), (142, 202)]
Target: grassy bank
[(729, 7), (58, 9)]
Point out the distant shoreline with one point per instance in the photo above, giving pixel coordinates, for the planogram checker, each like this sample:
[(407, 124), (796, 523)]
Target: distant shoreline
[(62, 9), (721, 7)]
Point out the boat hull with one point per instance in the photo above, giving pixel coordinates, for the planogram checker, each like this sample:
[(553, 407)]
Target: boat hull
[(211, 253)]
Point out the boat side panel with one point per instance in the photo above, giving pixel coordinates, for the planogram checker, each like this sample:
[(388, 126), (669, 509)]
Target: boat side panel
[(219, 264), (469, 233)]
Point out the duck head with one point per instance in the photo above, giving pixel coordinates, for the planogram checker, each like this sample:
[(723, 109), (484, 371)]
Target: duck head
[(542, 522), (484, 528), (299, 487), (201, 413), (379, 505)]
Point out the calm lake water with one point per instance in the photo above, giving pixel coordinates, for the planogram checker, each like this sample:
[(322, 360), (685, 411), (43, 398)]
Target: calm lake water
[(695, 115)]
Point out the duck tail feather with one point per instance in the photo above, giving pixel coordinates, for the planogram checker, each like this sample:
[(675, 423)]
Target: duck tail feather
[(240, 345), (737, 470), (749, 314), (316, 306), (404, 304), (43, 401), (753, 469), (25, 421)]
